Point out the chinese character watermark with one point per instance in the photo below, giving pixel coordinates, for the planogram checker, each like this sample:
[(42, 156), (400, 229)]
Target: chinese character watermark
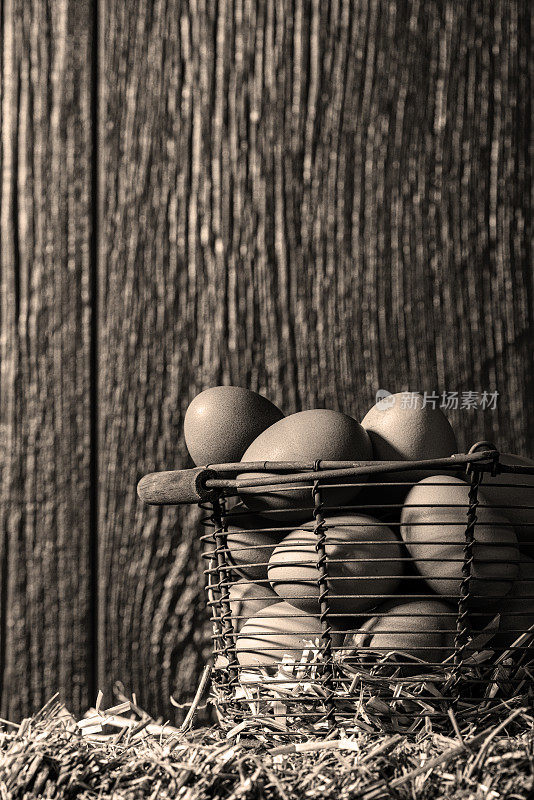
[(448, 401)]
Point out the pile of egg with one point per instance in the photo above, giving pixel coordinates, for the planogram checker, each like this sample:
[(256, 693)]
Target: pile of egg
[(394, 551)]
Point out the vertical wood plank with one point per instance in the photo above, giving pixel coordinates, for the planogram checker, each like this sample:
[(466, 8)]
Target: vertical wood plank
[(45, 217), (315, 200)]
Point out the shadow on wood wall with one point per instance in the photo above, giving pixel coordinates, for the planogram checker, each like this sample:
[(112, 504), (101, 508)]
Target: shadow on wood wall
[(315, 200)]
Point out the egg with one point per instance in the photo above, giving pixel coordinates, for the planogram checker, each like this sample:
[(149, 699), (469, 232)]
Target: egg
[(307, 436), (247, 599), (433, 523), (510, 498), (357, 549), (517, 609), (221, 422), (421, 629), (400, 432), (250, 542), (265, 639)]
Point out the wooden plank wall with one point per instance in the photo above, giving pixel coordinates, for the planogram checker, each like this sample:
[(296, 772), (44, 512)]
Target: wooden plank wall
[(45, 321), (315, 200)]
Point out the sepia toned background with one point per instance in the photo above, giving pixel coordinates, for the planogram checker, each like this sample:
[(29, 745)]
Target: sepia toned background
[(314, 200)]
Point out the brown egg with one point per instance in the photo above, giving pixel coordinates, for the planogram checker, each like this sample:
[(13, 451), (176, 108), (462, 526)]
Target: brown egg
[(247, 599), (221, 422), (250, 542), (422, 629), (517, 609), (433, 523), (399, 432), (357, 549), (511, 498), (266, 638), (306, 436)]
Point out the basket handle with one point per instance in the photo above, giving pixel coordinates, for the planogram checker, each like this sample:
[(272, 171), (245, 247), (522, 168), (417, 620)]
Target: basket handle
[(176, 487), (181, 487)]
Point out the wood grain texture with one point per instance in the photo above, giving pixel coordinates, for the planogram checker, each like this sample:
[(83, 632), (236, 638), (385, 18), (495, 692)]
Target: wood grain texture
[(313, 200), (44, 340)]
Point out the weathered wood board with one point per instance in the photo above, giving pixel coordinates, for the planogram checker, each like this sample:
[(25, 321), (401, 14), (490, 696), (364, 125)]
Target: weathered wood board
[(316, 200), (45, 219)]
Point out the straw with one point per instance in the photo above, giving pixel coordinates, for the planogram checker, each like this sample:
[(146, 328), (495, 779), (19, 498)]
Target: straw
[(55, 758)]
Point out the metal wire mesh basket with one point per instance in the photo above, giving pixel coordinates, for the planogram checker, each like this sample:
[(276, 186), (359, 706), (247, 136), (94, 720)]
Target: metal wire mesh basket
[(366, 595)]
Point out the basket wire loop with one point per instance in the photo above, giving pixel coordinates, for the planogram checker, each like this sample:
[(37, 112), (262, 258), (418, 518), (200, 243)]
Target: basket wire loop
[(213, 592), (219, 675), (463, 626), (322, 582), (228, 633)]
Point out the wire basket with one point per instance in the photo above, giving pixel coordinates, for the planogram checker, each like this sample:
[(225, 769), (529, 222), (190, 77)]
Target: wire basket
[(383, 596)]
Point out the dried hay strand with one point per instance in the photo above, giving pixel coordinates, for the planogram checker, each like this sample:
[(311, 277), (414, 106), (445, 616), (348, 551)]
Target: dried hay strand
[(124, 754), (374, 691)]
